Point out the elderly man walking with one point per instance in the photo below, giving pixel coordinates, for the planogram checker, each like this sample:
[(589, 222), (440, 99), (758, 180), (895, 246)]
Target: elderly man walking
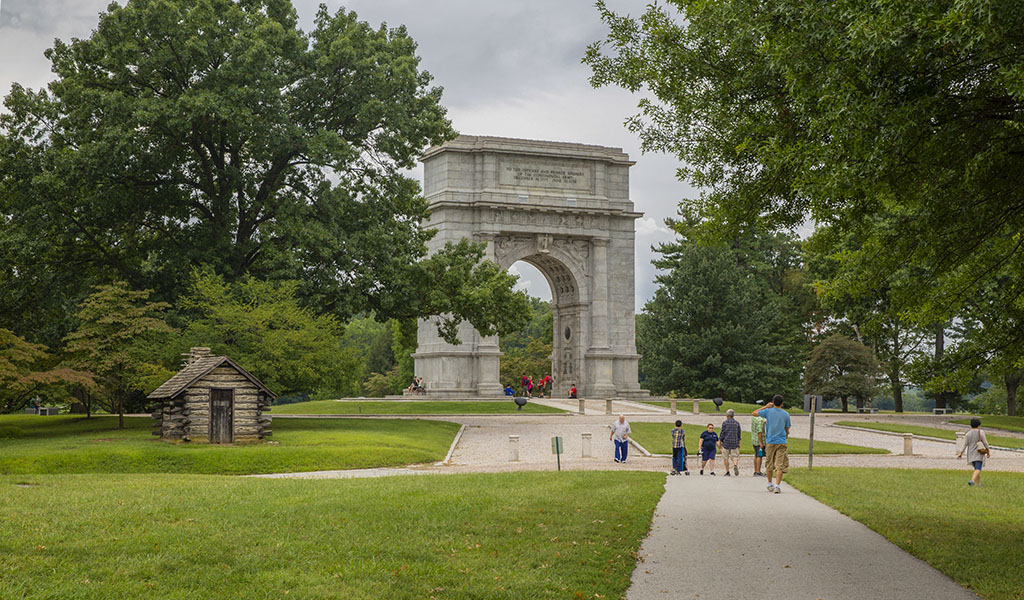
[(620, 435), (729, 442)]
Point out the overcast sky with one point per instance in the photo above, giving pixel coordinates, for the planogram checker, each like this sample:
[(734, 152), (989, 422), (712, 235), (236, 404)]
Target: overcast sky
[(507, 68)]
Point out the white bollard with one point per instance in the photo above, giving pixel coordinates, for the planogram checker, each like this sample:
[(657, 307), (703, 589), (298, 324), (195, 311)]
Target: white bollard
[(608, 406), (583, 407), (961, 441), (672, 406), (586, 444), (513, 448), (908, 444), (696, 407)]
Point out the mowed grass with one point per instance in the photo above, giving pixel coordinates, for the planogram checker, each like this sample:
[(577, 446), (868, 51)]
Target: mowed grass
[(945, 434), (974, 535), (65, 444), (515, 535), (657, 438), (997, 422), (332, 407), (709, 407)]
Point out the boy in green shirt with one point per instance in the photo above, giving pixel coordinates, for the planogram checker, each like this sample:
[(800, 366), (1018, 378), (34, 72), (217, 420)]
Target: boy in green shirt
[(757, 439)]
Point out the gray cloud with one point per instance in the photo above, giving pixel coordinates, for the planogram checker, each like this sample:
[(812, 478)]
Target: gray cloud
[(508, 68)]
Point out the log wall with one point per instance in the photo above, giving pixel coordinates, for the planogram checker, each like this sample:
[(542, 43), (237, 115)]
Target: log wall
[(187, 417)]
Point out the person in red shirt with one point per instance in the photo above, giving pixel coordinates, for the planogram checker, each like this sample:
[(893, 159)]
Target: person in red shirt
[(572, 391)]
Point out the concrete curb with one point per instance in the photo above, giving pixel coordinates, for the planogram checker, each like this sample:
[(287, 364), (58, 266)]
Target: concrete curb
[(639, 448), (919, 437), (417, 415), (451, 450)]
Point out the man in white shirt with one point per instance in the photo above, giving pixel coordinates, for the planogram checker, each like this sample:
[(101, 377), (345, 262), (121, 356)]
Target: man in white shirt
[(620, 435)]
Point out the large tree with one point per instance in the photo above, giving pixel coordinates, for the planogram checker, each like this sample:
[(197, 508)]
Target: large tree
[(715, 328), (872, 318), (184, 133), (854, 114), (841, 367)]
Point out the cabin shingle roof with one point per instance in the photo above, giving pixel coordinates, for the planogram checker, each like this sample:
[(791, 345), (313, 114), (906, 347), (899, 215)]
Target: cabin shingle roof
[(196, 370)]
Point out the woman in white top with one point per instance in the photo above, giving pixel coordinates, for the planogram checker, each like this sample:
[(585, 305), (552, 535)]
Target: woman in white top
[(976, 446)]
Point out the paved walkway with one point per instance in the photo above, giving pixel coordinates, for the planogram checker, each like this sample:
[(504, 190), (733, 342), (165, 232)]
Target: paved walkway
[(728, 538)]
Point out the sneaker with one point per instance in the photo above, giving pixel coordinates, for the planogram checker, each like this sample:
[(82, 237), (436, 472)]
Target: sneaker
[(617, 460), (778, 490), (756, 474), (771, 487), (702, 472), (736, 470), (970, 483), (687, 473), (726, 473), (712, 473)]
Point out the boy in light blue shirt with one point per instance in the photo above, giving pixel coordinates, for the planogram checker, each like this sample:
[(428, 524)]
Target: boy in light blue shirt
[(776, 434)]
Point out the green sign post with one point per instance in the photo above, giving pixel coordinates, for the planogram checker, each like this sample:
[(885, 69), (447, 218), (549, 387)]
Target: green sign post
[(556, 449)]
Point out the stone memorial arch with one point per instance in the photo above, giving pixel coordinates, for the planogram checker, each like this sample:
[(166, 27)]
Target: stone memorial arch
[(563, 208)]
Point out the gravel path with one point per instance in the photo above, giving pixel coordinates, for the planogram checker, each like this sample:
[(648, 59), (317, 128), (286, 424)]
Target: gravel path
[(485, 446)]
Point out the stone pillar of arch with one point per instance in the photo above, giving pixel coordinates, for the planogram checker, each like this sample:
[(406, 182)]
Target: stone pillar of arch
[(565, 209)]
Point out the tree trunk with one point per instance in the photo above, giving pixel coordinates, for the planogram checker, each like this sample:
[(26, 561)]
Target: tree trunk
[(940, 344), (846, 405), (120, 412), (897, 397), (1012, 381)]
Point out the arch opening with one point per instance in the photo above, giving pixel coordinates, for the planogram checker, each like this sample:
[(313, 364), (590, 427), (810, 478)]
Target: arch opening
[(550, 345)]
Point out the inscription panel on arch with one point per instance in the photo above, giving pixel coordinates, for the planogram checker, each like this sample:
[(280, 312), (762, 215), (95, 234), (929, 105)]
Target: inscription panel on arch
[(548, 173)]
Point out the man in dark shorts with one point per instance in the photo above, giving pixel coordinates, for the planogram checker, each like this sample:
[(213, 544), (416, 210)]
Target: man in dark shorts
[(776, 434)]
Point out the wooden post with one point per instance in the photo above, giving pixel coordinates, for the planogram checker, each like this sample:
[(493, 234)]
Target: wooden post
[(513, 448), (810, 438), (672, 405)]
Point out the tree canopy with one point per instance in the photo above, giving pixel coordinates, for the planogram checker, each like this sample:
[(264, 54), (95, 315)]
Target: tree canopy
[(216, 133), (118, 341), (896, 122)]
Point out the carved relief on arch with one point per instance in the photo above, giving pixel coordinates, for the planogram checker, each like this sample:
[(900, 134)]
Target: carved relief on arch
[(577, 250), (508, 248)]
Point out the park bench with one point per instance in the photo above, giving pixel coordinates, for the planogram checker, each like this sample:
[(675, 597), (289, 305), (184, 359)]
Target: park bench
[(49, 410), (31, 411), (867, 409), (942, 411)]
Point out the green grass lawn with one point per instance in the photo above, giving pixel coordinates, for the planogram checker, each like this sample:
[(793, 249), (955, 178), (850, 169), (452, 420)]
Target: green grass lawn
[(66, 444), (657, 438), (946, 434), (709, 407), (974, 535), (331, 407), (515, 535), (997, 422)]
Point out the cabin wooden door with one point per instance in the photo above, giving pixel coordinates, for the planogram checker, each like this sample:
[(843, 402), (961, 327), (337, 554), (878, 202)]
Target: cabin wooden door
[(220, 416)]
